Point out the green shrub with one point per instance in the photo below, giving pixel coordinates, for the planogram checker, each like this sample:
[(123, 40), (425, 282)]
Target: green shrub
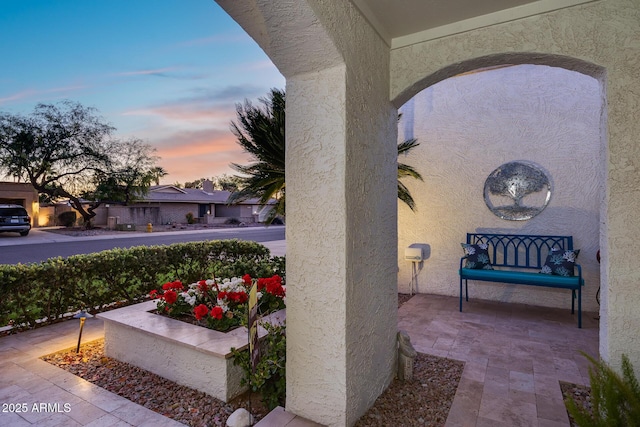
[(269, 377), (615, 399), (232, 221), (67, 218), (48, 290), (190, 218)]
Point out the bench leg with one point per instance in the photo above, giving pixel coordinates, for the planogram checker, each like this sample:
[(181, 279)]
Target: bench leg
[(461, 294), (580, 307), (466, 289), (573, 300)]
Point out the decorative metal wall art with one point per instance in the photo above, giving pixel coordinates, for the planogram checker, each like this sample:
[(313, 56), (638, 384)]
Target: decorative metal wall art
[(517, 191)]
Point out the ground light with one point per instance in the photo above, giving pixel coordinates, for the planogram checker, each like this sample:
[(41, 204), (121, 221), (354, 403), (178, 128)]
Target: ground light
[(83, 315)]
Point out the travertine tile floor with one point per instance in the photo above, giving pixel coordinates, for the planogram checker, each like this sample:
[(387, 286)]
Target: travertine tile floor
[(33, 392), (515, 357)]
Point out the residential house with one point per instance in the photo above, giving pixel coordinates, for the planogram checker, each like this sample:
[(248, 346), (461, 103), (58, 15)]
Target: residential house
[(23, 194), (168, 204)]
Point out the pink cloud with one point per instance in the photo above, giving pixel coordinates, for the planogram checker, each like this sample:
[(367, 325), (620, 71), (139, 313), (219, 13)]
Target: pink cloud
[(181, 112), (30, 93), (156, 71), (187, 156), (184, 112)]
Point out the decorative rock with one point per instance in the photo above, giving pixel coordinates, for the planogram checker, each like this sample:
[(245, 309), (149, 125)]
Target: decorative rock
[(406, 355), (240, 418)]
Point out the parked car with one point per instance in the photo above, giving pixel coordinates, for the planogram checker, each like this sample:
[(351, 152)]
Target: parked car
[(14, 218)]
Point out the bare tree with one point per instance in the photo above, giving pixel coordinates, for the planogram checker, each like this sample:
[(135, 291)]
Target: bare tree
[(66, 151)]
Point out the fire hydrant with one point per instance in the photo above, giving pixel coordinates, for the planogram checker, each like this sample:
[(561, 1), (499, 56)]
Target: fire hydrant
[(149, 228)]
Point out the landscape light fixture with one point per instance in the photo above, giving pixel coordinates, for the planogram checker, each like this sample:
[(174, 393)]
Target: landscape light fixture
[(83, 315)]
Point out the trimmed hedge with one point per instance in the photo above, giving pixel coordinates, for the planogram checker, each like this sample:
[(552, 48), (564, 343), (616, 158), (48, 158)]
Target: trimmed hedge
[(48, 290)]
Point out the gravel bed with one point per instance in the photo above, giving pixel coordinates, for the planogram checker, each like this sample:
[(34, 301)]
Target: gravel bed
[(580, 394), (423, 401)]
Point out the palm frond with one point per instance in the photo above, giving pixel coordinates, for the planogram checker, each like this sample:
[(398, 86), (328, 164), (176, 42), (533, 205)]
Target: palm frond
[(405, 171)]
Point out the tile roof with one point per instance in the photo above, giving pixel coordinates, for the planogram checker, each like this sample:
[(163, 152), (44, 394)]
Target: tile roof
[(170, 193)]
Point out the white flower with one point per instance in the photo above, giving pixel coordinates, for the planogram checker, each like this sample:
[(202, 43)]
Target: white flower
[(223, 305), (188, 298)]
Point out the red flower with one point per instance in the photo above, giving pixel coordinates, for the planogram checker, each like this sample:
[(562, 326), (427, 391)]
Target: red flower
[(173, 285), (276, 289), (216, 312), (262, 282), (274, 285), (222, 294), (201, 311), (242, 297), (170, 296), (202, 286), (246, 279), (153, 294), (239, 297)]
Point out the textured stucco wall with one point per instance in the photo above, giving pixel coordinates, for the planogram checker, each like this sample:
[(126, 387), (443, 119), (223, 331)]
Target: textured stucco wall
[(602, 38), (469, 125), (341, 211), (341, 274)]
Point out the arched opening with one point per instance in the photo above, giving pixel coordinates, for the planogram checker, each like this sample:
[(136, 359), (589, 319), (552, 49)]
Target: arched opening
[(477, 115)]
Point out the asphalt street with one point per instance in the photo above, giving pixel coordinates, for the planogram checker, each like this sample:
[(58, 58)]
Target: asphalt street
[(40, 245)]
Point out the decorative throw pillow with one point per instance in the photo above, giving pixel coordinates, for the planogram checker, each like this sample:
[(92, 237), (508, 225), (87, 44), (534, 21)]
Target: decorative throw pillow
[(477, 256), (560, 262)]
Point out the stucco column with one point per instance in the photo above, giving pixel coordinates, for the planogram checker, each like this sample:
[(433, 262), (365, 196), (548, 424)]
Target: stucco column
[(341, 246)]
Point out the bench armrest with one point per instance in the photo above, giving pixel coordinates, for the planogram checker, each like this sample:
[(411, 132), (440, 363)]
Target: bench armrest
[(462, 260), (579, 267)]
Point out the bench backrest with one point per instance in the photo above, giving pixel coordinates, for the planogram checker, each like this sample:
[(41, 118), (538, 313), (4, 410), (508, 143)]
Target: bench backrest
[(520, 251)]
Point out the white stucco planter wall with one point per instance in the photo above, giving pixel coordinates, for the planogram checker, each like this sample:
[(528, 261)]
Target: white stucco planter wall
[(187, 354), (467, 126)]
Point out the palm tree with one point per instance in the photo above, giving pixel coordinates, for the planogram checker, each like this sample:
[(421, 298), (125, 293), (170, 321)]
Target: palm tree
[(261, 132)]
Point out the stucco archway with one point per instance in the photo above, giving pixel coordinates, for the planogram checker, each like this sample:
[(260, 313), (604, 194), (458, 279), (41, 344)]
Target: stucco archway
[(595, 33), (500, 59), (468, 124)]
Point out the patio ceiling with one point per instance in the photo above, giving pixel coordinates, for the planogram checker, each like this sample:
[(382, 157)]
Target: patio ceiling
[(405, 22)]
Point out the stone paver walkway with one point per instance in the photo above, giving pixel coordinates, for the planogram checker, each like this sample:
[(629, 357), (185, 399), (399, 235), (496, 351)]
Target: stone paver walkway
[(515, 355)]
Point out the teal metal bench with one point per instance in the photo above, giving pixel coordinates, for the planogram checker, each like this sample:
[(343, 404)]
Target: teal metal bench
[(514, 259)]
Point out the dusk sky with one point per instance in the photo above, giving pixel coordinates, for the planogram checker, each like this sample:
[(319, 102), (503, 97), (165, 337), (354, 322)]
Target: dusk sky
[(166, 71)]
